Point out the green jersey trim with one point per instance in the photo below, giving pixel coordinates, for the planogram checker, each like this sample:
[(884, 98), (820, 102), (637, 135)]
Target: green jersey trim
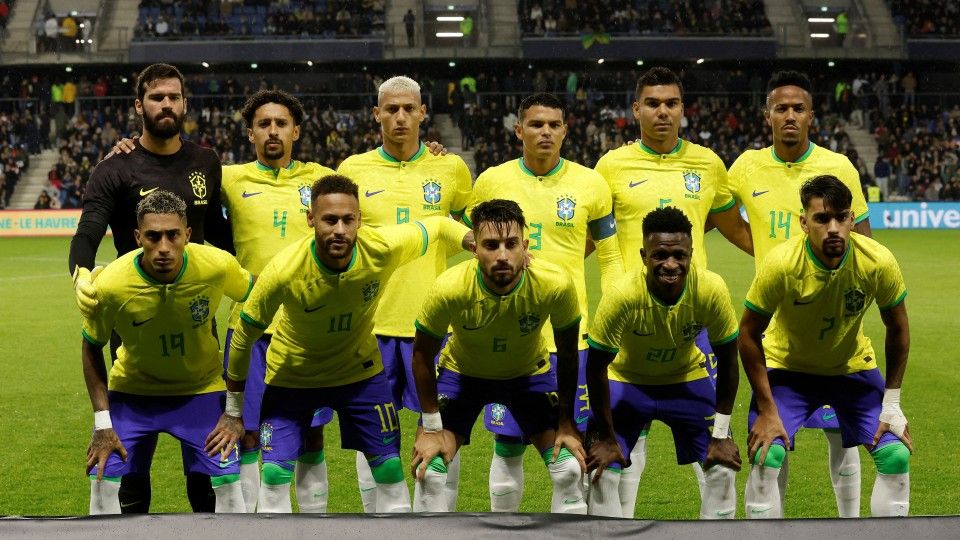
[(816, 261), (567, 326), (424, 236), (483, 286), (427, 331), (459, 213), (725, 207), (895, 303), (251, 321), (728, 339), (660, 302), (528, 172), (383, 153), (862, 217), (602, 347), (755, 308), (89, 339), (653, 152), (249, 288), (276, 172), (149, 279), (326, 269), (805, 155)]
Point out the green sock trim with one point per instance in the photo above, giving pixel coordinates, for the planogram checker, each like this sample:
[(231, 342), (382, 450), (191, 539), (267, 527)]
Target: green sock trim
[(503, 449), (437, 465), (561, 457), (250, 456), (893, 458), (222, 480), (388, 472), (775, 456), (275, 475), (312, 458), (107, 478)]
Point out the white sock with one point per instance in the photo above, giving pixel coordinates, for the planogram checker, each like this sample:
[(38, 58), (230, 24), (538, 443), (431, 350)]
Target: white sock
[(567, 491), (845, 475), (719, 493), (701, 478), (452, 486), (630, 478), (368, 487), (274, 499), (250, 483), (104, 497), (604, 496), (762, 496), (782, 479), (428, 494), (506, 483), (311, 487), (229, 498), (891, 495), (393, 498)]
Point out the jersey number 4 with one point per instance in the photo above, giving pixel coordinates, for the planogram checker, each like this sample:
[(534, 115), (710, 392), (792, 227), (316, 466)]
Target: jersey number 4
[(280, 220)]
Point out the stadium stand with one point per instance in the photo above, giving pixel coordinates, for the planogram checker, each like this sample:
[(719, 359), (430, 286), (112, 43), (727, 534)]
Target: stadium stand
[(927, 18), (18, 136)]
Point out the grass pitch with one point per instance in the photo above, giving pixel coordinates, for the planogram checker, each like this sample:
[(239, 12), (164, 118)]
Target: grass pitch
[(46, 415)]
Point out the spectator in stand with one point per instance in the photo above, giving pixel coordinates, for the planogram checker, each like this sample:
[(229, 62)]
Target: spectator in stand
[(44, 202)]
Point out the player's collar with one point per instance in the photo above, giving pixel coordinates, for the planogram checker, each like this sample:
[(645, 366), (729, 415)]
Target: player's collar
[(525, 169), (816, 262), (806, 154), (483, 286), (267, 168), (383, 153), (143, 273), (657, 300), (649, 150), (326, 269)]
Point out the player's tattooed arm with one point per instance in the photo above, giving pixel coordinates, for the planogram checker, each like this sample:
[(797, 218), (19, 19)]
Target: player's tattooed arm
[(768, 427), (603, 447), (225, 436), (104, 441)]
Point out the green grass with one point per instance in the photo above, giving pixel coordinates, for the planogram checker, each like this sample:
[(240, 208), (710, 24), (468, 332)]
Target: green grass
[(46, 415)]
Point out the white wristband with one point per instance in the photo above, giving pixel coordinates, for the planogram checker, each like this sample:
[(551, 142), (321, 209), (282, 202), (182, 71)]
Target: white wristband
[(234, 405), (891, 396), (721, 426), (891, 414), (101, 420), (432, 423)]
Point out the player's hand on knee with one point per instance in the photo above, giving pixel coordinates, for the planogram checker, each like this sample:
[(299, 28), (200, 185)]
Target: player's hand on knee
[(86, 291), (436, 148), (104, 443), (723, 452), (603, 453), (903, 435), (123, 146), (428, 445), (766, 429), (893, 420), (569, 437), (225, 436)]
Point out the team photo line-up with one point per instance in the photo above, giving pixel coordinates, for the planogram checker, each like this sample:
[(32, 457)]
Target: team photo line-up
[(344, 302)]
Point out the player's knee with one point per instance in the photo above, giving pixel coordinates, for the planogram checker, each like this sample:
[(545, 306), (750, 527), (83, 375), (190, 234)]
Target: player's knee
[(774, 458), (508, 449), (435, 477), (276, 474), (386, 471), (250, 441), (565, 470), (719, 475), (223, 479), (892, 459), (312, 458)]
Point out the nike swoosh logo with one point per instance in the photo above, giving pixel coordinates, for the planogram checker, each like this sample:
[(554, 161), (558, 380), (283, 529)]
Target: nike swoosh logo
[(582, 419), (141, 323), (144, 193), (225, 464), (759, 193), (574, 500), (642, 335), (245, 194), (389, 440), (128, 505), (829, 416), (759, 510), (797, 302), (311, 310), (372, 193), (502, 493), (721, 513), (848, 474), (635, 184), (465, 327)]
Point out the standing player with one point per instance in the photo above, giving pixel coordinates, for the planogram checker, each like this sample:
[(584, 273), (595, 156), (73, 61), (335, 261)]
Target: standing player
[(161, 160), (644, 365), (497, 306), (565, 204), (807, 305), (266, 202), (401, 182), (767, 183), (167, 376), (664, 170), (323, 352)]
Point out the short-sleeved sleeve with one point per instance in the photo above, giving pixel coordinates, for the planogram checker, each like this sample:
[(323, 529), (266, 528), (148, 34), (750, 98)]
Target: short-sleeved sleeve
[(565, 311), (97, 330), (435, 315), (462, 187), (767, 289), (722, 325), (478, 194), (891, 288), (409, 241), (237, 281), (265, 297), (851, 178), (722, 199), (609, 321)]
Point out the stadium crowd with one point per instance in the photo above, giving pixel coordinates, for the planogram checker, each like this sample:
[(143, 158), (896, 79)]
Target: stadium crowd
[(642, 17), (926, 18), (160, 19), (17, 141)]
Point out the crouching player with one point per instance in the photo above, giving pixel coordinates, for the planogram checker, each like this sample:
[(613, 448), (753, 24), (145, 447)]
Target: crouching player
[(168, 376), (496, 306), (644, 364), (807, 304)]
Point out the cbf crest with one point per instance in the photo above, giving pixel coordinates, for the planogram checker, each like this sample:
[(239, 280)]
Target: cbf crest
[(853, 301), (528, 322), (198, 183), (266, 436), (691, 181), (497, 412), (691, 330), (304, 195), (431, 191), (370, 290), (200, 310), (566, 208)]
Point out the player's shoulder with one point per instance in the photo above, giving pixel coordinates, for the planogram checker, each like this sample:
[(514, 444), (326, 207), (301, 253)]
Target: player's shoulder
[(697, 152), (208, 256), (707, 281), (118, 272), (872, 249), (582, 172), (455, 278), (749, 159), (314, 169), (231, 174), (499, 172), (363, 158), (785, 254), (549, 274), (826, 158), (451, 160), (614, 157), (289, 259)]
